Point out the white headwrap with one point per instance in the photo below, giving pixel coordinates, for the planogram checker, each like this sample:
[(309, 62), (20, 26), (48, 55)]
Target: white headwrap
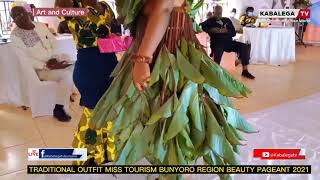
[(23, 4)]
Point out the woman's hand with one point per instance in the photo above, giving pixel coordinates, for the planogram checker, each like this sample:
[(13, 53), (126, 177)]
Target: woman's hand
[(141, 75)]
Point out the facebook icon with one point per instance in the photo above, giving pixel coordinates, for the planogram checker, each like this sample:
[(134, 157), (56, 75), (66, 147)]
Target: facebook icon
[(42, 153), (57, 154)]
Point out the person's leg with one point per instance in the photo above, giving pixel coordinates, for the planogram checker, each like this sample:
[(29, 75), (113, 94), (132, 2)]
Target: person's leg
[(99, 143), (92, 79), (242, 50), (64, 79), (217, 54)]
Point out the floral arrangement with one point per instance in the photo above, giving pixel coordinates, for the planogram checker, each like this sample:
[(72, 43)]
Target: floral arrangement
[(302, 3)]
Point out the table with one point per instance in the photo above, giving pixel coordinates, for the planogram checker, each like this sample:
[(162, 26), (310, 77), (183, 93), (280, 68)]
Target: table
[(11, 83), (274, 46)]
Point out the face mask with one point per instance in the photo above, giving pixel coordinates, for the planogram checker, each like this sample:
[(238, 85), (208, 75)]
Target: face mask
[(233, 14), (250, 13)]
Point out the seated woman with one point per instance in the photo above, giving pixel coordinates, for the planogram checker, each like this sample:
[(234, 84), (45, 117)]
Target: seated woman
[(35, 44), (248, 19)]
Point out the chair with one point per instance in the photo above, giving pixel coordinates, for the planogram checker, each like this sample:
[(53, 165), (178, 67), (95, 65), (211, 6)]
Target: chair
[(40, 94)]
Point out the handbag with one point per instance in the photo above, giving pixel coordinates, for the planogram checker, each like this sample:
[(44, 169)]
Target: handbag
[(114, 43)]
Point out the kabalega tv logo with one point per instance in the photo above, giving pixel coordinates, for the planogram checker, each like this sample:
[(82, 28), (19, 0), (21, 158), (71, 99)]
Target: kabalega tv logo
[(57, 154), (285, 13)]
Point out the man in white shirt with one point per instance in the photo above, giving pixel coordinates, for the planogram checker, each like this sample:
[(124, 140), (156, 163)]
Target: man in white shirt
[(34, 44)]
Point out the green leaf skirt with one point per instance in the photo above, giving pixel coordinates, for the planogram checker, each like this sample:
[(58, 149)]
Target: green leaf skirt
[(184, 115)]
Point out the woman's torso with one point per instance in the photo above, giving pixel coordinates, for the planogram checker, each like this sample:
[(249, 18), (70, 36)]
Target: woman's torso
[(179, 23), (86, 31)]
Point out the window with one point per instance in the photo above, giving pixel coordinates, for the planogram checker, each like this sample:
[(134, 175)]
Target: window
[(5, 19)]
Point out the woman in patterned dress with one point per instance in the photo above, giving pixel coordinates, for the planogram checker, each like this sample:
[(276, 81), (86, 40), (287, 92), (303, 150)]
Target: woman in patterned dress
[(92, 69)]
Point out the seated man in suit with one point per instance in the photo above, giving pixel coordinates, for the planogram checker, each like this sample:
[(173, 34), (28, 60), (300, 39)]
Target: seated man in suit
[(34, 43), (221, 32)]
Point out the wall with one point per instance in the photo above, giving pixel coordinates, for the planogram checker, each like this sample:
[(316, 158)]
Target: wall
[(52, 21), (241, 5)]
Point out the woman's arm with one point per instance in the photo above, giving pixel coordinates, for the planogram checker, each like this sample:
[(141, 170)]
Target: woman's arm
[(158, 17)]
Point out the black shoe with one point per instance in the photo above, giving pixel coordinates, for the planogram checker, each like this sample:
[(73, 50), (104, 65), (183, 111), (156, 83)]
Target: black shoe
[(247, 74), (61, 115)]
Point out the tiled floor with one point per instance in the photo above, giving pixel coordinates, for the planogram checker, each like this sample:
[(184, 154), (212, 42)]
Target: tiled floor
[(273, 86)]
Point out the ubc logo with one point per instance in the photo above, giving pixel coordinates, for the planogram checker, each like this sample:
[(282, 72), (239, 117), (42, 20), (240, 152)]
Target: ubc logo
[(33, 152), (265, 154)]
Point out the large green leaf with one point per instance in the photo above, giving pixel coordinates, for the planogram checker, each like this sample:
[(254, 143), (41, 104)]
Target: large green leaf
[(165, 111), (127, 82), (237, 121), (172, 156), (184, 47), (176, 102), (195, 56), (188, 150), (195, 111), (179, 121), (222, 80), (130, 145), (117, 125), (130, 113), (181, 158), (143, 141), (232, 138), (160, 149), (164, 63), (220, 162), (155, 75), (217, 140), (198, 137), (174, 70), (237, 133), (180, 118), (188, 70), (218, 98), (214, 79), (124, 135), (187, 139), (114, 112)]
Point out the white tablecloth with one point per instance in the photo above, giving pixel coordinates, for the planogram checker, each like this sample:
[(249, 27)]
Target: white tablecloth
[(10, 73), (66, 45), (275, 46)]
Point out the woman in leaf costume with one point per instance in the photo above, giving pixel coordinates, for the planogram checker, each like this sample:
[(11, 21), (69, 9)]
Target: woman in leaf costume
[(168, 101)]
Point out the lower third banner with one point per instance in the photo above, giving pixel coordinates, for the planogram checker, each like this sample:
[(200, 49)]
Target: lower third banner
[(249, 169)]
